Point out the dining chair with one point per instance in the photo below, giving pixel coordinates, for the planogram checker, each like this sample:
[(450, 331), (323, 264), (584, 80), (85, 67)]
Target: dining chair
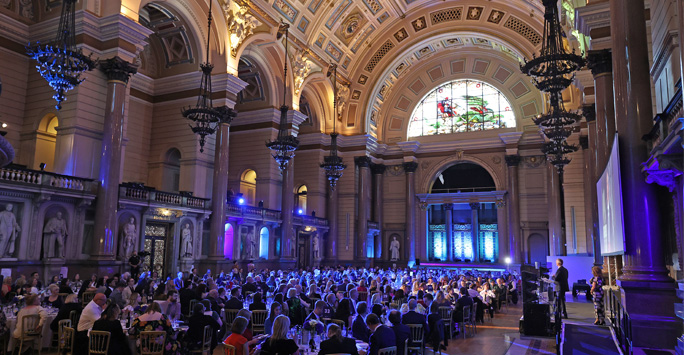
[(405, 347), (363, 296), (29, 335), (446, 314), (506, 299), (74, 316), (87, 297), (228, 349), (152, 342), (391, 350), (66, 341), (191, 307), (54, 344), (473, 318), (258, 320), (417, 338), (339, 322), (230, 315), (98, 342), (465, 323), (206, 342)]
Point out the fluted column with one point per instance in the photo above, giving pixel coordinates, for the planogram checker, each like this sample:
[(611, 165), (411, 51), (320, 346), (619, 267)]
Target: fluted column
[(556, 239), (219, 192), (449, 221), (332, 242), (514, 240), (363, 206), (410, 240), (644, 280), (475, 228), (378, 171), (118, 72)]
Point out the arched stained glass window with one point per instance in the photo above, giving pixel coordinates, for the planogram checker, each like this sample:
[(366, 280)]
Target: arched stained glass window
[(461, 106)]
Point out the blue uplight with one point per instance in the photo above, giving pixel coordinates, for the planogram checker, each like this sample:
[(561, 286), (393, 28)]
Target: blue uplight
[(241, 201), (300, 211)]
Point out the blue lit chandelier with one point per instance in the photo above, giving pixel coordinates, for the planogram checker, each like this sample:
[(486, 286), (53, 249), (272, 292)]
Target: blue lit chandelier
[(332, 164), (552, 72), (284, 146), (204, 118), (59, 61)]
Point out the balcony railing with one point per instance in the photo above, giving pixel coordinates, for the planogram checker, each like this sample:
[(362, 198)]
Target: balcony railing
[(303, 220), (46, 179), (152, 196), (373, 225), (664, 121), (236, 210)]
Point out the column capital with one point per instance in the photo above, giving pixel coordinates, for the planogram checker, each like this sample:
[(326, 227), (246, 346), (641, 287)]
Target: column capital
[(584, 142), (589, 112), (600, 62), (378, 169), (474, 205), (362, 162), (512, 160), (448, 206), (118, 69), (410, 167)]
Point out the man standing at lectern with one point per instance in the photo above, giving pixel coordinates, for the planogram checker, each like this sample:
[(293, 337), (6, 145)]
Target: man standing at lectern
[(561, 277)]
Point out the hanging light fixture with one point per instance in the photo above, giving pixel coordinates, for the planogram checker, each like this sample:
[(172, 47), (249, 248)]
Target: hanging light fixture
[(332, 164), (552, 72), (203, 117), (284, 146), (59, 61)]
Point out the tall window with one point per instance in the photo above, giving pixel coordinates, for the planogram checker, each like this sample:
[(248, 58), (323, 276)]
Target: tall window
[(46, 138), (301, 199), (461, 106), (248, 186), (172, 167)]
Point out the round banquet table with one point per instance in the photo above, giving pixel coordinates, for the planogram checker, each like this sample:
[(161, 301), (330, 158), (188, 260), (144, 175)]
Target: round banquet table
[(47, 332)]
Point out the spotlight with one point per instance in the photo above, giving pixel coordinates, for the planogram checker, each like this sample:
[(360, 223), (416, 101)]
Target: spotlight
[(4, 125), (507, 260), (241, 201), (42, 166), (300, 211)]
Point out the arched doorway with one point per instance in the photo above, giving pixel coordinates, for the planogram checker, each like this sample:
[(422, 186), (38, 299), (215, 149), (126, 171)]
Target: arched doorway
[(300, 199), (228, 241), (171, 173), (248, 186), (263, 243), (537, 249), (46, 138)]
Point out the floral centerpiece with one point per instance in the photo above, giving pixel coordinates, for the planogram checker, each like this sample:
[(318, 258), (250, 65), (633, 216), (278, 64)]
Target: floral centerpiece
[(314, 325)]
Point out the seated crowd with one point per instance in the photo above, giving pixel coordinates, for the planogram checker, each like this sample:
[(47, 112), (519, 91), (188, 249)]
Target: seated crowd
[(375, 306)]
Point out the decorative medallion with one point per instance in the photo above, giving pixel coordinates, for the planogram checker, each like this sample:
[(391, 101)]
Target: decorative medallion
[(474, 13), (362, 79), (356, 95), (401, 35), (419, 24), (495, 16)]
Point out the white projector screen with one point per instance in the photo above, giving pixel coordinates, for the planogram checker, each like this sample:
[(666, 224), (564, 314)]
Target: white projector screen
[(609, 191)]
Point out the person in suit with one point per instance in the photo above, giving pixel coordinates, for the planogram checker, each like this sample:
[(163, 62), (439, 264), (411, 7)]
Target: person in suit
[(317, 312), (401, 332), (413, 317), (382, 336), (359, 329), (109, 322), (196, 324), (336, 343), (234, 301), (561, 276), (436, 325), (464, 301), (117, 295)]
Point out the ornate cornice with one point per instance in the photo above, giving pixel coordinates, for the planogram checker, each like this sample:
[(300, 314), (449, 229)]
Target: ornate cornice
[(600, 62), (410, 167), (512, 160), (665, 178), (118, 69), (660, 58)]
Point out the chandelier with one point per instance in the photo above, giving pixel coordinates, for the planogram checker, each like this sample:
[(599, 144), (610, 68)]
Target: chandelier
[(204, 119), (59, 61), (333, 164), (552, 72), (284, 146)]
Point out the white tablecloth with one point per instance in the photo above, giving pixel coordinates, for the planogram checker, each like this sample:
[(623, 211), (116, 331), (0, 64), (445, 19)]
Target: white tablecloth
[(47, 332)]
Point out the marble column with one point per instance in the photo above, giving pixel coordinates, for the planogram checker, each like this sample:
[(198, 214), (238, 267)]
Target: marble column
[(556, 239), (219, 192), (287, 234), (118, 72), (410, 240), (363, 206), (475, 228), (332, 241), (600, 63), (645, 278), (514, 240), (593, 160), (449, 221), (589, 190), (378, 171)]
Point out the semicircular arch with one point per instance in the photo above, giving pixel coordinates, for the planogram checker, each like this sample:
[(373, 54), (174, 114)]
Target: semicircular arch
[(425, 183)]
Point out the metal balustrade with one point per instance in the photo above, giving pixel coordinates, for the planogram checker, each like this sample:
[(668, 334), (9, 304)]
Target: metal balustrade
[(619, 321)]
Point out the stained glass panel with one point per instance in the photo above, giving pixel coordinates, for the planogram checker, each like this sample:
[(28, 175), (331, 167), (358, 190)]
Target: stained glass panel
[(489, 242), (461, 106)]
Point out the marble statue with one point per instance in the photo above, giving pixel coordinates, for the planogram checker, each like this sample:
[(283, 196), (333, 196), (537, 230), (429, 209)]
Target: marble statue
[(129, 238), (316, 247), (186, 241), (394, 249), (9, 230), (54, 235), (251, 245)]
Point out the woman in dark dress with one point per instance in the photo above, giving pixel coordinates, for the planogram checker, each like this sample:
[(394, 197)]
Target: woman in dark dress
[(336, 343), (257, 304), (278, 342), (597, 293), (71, 303), (109, 322)]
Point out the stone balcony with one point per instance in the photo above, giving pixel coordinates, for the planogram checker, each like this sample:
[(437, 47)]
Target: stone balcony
[(142, 195), (43, 182)]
